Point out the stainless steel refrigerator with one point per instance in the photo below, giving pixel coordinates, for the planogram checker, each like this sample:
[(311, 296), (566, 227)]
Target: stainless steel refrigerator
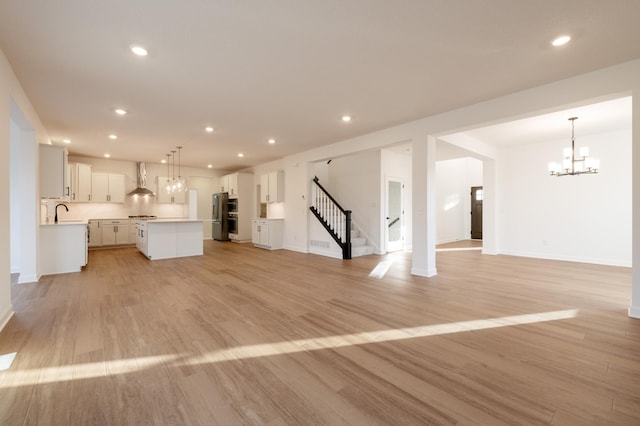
[(220, 227)]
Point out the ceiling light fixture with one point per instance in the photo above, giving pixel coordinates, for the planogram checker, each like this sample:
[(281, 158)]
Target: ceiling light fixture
[(208, 129), (240, 155), (107, 155), (561, 41), (113, 136), (272, 141), (571, 165), (210, 166), (139, 50), (120, 111), (167, 184), (66, 141), (181, 183), (346, 118)]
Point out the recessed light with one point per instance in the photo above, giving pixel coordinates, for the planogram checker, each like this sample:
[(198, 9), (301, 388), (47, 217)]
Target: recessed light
[(208, 129), (163, 161), (562, 40), (240, 154), (210, 166), (346, 118), (139, 50), (66, 141), (112, 136), (107, 155), (272, 141), (120, 111)]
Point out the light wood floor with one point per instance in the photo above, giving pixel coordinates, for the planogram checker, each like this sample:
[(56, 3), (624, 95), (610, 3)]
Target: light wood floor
[(248, 336)]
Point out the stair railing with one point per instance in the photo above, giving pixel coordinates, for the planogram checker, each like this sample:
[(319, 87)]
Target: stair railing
[(335, 219)]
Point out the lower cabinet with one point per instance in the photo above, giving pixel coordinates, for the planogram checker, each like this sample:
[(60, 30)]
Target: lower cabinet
[(95, 233), (111, 232), (168, 239), (267, 233)]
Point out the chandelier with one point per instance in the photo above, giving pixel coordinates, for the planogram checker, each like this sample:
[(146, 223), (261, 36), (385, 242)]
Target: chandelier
[(572, 165), (173, 183)]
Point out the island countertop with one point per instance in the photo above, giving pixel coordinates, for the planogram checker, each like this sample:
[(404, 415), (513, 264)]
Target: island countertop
[(175, 220)]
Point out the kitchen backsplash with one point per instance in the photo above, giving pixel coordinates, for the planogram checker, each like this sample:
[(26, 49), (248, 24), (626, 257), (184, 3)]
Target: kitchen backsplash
[(131, 206)]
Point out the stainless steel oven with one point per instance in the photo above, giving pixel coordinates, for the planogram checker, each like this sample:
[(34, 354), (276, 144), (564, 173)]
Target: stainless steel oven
[(232, 205), (232, 221)]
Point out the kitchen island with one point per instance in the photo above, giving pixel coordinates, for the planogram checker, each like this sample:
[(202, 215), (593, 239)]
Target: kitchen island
[(63, 247), (169, 238)]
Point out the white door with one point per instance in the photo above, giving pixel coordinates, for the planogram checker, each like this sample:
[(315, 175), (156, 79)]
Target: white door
[(394, 227)]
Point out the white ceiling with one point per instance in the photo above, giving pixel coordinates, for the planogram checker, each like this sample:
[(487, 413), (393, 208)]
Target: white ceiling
[(288, 69)]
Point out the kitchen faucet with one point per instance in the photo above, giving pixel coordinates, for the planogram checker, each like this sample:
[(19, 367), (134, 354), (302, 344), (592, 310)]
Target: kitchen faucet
[(55, 220)]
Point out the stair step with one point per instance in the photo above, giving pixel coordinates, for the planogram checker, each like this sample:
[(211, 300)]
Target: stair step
[(358, 241), (361, 251)]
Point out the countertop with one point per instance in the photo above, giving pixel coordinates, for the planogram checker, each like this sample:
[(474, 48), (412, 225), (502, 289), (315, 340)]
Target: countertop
[(66, 223), (176, 220)]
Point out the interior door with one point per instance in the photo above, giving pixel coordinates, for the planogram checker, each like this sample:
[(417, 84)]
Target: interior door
[(476, 212), (394, 214)]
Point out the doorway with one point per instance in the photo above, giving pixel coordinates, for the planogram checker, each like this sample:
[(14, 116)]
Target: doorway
[(394, 215), (476, 212)]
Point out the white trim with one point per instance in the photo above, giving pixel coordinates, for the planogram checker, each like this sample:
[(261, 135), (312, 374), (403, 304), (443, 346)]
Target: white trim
[(296, 249), (4, 319), (634, 311), (596, 261), (424, 272), (24, 279)]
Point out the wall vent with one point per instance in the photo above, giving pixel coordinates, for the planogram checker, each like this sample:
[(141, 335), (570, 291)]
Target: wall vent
[(319, 243)]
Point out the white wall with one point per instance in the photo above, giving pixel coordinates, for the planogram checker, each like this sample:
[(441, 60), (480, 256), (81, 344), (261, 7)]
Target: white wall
[(454, 179), (14, 204), (580, 218), (354, 182), (12, 96)]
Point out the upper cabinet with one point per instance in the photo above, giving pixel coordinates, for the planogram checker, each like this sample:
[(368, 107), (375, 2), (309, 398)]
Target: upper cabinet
[(163, 197), (53, 172), (236, 183), (224, 183), (272, 187), (79, 182), (107, 187)]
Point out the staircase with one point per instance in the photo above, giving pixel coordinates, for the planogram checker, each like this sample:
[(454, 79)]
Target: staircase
[(337, 222), (359, 246)]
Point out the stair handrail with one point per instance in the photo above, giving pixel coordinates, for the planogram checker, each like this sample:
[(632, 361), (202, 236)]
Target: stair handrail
[(317, 181), (339, 229)]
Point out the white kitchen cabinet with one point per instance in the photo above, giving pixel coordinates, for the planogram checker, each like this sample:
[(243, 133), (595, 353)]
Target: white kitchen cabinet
[(163, 197), (224, 183), (63, 248), (268, 233), (115, 232), (272, 187), (95, 233), (107, 187), (165, 239), (142, 238), (81, 183), (53, 172)]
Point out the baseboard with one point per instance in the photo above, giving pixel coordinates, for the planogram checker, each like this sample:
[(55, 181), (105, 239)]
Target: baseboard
[(326, 254), (23, 279), (424, 272), (634, 312), (295, 248), (4, 319), (595, 261)]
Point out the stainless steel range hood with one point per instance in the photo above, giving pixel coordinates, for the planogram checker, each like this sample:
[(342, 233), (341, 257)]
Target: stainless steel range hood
[(141, 182)]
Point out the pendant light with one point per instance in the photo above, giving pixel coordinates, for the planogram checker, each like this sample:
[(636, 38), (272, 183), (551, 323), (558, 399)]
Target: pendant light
[(167, 185), (572, 165), (181, 183), (173, 173)]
